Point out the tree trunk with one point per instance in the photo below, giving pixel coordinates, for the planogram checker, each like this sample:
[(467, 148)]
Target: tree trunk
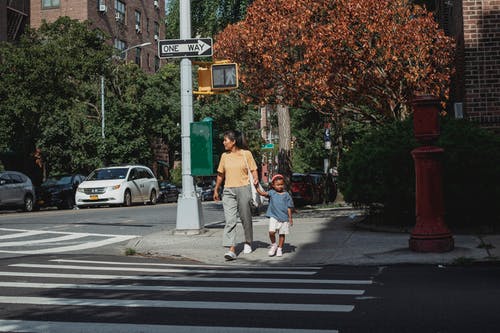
[(285, 139)]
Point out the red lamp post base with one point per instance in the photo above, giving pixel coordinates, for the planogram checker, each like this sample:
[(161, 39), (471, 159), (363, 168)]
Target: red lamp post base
[(444, 244)]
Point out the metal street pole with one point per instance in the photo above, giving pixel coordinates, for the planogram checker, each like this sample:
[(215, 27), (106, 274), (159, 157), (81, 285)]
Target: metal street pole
[(189, 212)]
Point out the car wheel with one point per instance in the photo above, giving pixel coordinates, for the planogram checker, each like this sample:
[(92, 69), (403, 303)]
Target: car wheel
[(127, 199), (152, 197), (28, 203)]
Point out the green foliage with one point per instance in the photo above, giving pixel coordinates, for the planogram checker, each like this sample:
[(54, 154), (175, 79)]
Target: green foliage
[(208, 17), (50, 99), (230, 112), (308, 150), (471, 172), (379, 170), (48, 92)]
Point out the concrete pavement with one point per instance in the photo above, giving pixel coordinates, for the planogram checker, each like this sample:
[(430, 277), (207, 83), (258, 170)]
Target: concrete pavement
[(318, 237)]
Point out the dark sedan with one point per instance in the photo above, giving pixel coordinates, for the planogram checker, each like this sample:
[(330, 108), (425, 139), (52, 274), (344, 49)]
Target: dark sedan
[(168, 192), (59, 191)]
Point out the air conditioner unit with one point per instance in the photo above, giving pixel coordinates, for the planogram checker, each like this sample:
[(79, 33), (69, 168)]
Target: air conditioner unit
[(156, 37), (137, 28), (118, 17), (102, 8), (156, 3)]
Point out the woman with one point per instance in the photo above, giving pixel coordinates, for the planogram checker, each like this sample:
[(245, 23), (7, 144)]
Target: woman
[(233, 170)]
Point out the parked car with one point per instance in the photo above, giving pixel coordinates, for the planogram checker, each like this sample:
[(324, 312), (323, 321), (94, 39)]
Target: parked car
[(118, 185), (16, 191), (319, 183), (59, 191), (168, 192), (207, 194), (304, 191)]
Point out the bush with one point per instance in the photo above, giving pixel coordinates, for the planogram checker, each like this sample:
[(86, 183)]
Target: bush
[(378, 171)]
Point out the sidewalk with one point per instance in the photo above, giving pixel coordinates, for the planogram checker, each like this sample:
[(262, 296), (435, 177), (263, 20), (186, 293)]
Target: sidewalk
[(318, 237)]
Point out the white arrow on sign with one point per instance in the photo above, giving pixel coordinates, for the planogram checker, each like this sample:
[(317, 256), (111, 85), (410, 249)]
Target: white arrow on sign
[(199, 47)]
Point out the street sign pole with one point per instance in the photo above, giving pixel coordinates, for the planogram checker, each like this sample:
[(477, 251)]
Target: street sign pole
[(189, 212)]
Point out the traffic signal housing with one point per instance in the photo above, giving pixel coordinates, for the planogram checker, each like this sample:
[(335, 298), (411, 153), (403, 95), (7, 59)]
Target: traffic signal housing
[(217, 78)]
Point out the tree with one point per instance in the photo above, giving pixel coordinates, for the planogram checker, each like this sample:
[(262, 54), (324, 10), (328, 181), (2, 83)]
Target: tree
[(357, 59), (49, 91), (361, 57), (208, 16)]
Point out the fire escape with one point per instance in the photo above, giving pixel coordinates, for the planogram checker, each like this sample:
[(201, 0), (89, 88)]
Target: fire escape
[(17, 18)]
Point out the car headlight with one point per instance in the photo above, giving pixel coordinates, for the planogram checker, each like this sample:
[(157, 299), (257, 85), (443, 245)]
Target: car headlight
[(80, 190), (114, 188)]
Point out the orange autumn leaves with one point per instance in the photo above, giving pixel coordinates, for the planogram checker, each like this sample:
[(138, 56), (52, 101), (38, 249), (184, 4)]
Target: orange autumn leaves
[(345, 56)]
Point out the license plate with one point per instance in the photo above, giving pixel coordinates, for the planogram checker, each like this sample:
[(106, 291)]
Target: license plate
[(94, 197)]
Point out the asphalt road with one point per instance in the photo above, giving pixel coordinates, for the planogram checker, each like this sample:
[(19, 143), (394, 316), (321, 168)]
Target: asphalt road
[(140, 219), (90, 230), (81, 293)]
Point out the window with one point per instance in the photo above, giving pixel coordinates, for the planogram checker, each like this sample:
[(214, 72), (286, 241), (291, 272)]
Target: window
[(137, 21), (138, 56), (147, 25), (120, 10), (120, 45), (157, 29), (157, 64), (47, 4)]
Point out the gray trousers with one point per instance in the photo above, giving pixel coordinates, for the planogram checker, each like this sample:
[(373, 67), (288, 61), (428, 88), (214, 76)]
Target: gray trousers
[(236, 201)]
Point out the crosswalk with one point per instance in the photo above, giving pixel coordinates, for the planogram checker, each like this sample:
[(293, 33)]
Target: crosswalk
[(78, 295), (20, 241)]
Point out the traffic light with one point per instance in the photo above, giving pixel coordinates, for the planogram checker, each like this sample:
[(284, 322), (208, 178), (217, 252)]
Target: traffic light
[(217, 78)]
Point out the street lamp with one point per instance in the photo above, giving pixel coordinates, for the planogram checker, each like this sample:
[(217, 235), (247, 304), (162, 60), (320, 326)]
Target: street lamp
[(102, 84)]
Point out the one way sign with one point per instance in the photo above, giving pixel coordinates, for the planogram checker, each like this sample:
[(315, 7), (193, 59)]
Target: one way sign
[(180, 48)]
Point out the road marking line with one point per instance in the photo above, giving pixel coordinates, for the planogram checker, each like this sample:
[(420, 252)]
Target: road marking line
[(90, 327), (176, 304), (83, 246), (45, 240), (178, 265), (20, 233), (160, 270), (63, 232), (181, 288), (175, 278)]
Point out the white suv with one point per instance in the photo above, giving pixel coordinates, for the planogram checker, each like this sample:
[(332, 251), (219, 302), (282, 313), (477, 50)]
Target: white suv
[(118, 185)]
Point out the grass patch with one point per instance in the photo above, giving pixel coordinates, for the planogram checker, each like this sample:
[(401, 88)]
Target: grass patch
[(130, 251), (461, 261), (485, 246)]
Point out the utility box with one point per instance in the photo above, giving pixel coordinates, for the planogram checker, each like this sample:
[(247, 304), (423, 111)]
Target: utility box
[(204, 151)]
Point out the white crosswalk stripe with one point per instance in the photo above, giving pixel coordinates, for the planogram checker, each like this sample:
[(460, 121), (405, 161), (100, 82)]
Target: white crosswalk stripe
[(88, 286), (46, 242)]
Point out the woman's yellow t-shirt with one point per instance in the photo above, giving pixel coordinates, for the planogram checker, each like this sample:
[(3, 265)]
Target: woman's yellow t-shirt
[(234, 168)]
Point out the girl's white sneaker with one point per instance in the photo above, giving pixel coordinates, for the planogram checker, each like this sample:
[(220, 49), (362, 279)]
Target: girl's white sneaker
[(279, 252), (272, 250)]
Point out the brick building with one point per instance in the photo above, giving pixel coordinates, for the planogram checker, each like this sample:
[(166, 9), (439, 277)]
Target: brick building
[(128, 22), (475, 90)]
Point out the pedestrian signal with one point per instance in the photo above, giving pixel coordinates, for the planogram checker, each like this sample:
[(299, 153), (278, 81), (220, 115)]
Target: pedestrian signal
[(224, 76)]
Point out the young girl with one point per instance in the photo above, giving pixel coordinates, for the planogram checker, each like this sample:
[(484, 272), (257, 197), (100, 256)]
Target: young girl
[(279, 213)]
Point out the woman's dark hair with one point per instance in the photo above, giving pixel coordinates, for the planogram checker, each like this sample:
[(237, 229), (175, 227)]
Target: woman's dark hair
[(238, 137)]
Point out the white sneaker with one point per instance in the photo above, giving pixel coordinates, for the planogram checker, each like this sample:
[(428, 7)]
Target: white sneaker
[(247, 248), (230, 255), (272, 250), (279, 252)]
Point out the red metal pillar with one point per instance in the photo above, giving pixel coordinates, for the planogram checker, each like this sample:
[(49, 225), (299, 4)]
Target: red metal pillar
[(430, 233)]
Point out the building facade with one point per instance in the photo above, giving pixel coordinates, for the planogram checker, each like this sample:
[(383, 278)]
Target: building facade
[(475, 26), (127, 22)]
